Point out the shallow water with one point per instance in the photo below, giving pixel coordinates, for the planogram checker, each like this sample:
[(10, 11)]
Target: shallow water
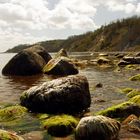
[(12, 87)]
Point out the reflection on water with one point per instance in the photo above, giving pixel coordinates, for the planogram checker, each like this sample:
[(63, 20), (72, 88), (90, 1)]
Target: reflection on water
[(12, 87)]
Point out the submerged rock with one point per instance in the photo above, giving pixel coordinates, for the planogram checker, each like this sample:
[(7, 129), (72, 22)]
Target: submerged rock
[(135, 78), (64, 95), (121, 111), (123, 63), (11, 113), (134, 126), (133, 93), (60, 125), (129, 119), (135, 99), (98, 128), (126, 90), (60, 66), (27, 62), (5, 135), (103, 60)]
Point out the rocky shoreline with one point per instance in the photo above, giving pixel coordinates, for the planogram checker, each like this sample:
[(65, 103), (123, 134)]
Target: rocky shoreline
[(61, 106)]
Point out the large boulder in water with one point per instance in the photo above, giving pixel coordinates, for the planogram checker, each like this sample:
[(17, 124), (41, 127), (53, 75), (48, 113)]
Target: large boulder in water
[(27, 62), (63, 95), (60, 66), (97, 128), (41, 51)]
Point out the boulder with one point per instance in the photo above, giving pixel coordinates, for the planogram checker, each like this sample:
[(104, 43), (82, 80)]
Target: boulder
[(27, 62), (41, 51), (60, 66), (63, 95), (97, 128)]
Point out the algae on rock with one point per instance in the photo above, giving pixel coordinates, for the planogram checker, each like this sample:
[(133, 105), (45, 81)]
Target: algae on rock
[(12, 112), (60, 125), (133, 93), (135, 99), (5, 135), (121, 111), (135, 78)]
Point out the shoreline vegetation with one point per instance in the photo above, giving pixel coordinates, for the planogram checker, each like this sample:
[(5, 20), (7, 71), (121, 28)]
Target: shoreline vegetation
[(121, 35)]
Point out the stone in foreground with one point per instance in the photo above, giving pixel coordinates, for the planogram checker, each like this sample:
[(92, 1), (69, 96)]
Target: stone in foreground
[(97, 128), (63, 95), (27, 62)]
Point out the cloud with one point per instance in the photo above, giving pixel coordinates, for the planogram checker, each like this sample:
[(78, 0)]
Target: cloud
[(12, 38), (126, 6), (138, 8), (21, 17)]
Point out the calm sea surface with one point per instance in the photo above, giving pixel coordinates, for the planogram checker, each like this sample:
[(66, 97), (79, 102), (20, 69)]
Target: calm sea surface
[(12, 87)]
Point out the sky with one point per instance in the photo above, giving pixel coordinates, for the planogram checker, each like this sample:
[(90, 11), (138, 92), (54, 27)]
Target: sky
[(30, 21)]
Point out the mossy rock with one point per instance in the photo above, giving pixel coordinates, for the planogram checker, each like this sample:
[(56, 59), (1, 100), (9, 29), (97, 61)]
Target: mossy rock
[(126, 90), (12, 112), (133, 93), (135, 99), (121, 111), (132, 67), (60, 126), (5, 135), (135, 78)]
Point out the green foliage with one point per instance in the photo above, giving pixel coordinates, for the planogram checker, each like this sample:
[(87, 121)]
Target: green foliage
[(135, 78), (112, 37), (60, 126)]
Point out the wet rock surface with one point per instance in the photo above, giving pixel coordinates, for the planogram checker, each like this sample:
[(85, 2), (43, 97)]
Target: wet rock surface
[(64, 95), (97, 127), (60, 66), (27, 62)]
